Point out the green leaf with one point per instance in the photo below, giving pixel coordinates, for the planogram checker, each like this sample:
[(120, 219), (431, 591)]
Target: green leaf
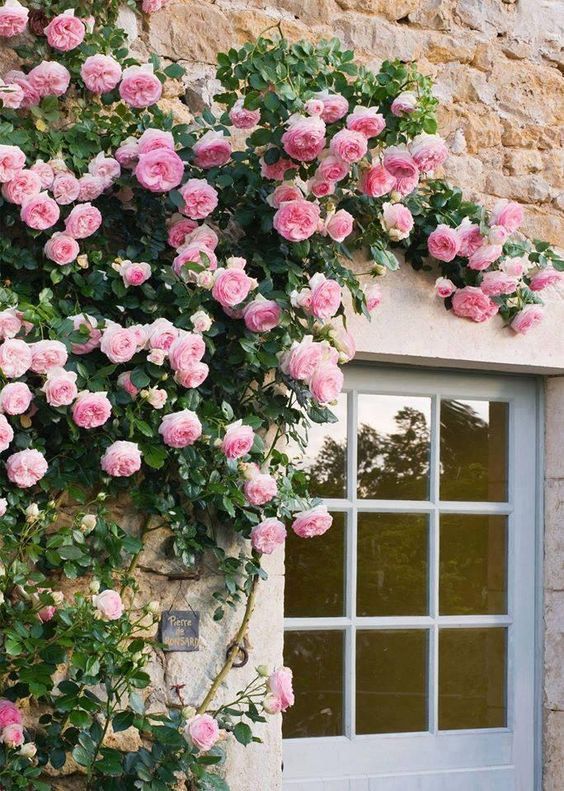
[(81, 756), (211, 782), (174, 71), (243, 733), (122, 721)]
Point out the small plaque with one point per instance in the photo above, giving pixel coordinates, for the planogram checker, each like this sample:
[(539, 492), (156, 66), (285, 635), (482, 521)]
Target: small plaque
[(180, 630)]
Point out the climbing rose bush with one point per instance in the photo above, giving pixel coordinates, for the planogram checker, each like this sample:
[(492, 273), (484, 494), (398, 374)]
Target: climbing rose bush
[(173, 302)]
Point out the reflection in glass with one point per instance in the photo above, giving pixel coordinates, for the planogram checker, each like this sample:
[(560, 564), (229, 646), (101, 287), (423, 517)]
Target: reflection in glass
[(473, 565), (474, 450), (391, 673), (472, 673), (392, 564), (393, 447), (315, 573), (317, 661)]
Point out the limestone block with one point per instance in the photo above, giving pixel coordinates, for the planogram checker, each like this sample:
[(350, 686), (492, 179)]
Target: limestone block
[(190, 31), (522, 161), (554, 751), (544, 223), (530, 188), (382, 39), (531, 92), (310, 12), (531, 135), (554, 407), (554, 531), (391, 9), (554, 650)]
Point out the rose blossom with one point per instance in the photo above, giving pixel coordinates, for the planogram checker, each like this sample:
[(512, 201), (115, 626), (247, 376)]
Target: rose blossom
[(60, 388), (348, 145), (313, 522), (15, 358), (40, 212), (305, 137), (212, 150), (159, 170), (92, 337), (339, 225), (495, 283), (124, 381), (241, 117), (10, 323), (260, 489), (443, 243), (331, 168), (109, 605), (83, 221), (546, 277), (47, 354), (186, 349), (231, 287), (61, 248), (277, 171), (498, 234), (45, 173), (90, 187), (12, 95), (508, 214), (373, 296), (484, 256), (106, 168), (65, 31), (6, 433), (262, 315), (268, 535), (283, 193), (303, 357), (326, 382), (335, 106), (9, 714), (31, 96), (49, 78), (281, 694), (128, 153), (12, 736), (470, 237), (26, 467), (139, 86), (325, 296), (296, 220), (399, 162), (376, 181), (180, 429), (203, 731), (66, 188), (121, 459), (179, 231), (396, 220), (12, 161), (153, 139), (100, 73), (200, 199), (344, 343), (428, 151), (193, 375), (91, 410), (237, 440), (404, 103), (366, 120), (3, 509), (15, 398), (201, 321), (314, 107), (471, 303), (444, 287), (527, 318), (22, 187), (134, 274), (204, 235), (119, 344), (515, 265), (13, 18), (321, 188), (195, 252), (162, 333)]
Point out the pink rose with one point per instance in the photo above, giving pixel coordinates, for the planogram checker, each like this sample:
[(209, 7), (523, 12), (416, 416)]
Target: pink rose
[(277, 171), (527, 318), (281, 693), (119, 344), (470, 237), (242, 118), (331, 168), (335, 106), (159, 170), (203, 731), (373, 296), (508, 214), (204, 235), (12, 161), (484, 256), (268, 535), (61, 248), (376, 181), (201, 321), (47, 354), (498, 234), (100, 73), (109, 605), (153, 139), (91, 410), (49, 78), (12, 95), (186, 349), (444, 287), (179, 231), (326, 382), (313, 522), (65, 31), (471, 303), (45, 173), (47, 613), (140, 87), (404, 103), (260, 489), (314, 107), (128, 153), (296, 220), (396, 220), (162, 333), (66, 188), (305, 138), (26, 467), (90, 187), (22, 187), (135, 274), (348, 145), (10, 323), (6, 433), (515, 266), (302, 359), (339, 225), (194, 252), (105, 168), (546, 277), (231, 287), (193, 375), (399, 162), (180, 429), (15, 358), (200, 199), (366, 120), (121, 459), (325, 296), (283, 193), (15, 398), (124, 381), (212, 150), (237, 440), (13, 18), (495, 283), (40, 212), (344, 343), (60, 387), (9, 714), (12, 735), (443, 243), (428, 151), (31, 96), (262, 315), (321, 188), (83, 221), (152, 6), (92, 337)]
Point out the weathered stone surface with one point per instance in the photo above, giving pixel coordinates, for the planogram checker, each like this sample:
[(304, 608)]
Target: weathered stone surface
[(554, 751), (554, 650), (190, 31), (554, 457), (554, 535)]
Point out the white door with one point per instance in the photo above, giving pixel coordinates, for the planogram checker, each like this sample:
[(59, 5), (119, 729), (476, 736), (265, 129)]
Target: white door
[(410, 626)]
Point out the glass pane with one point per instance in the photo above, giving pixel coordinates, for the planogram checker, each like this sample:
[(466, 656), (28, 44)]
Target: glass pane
[(472, 672), (325, 458), (474, 450), (473, 565), (391, 677), (315, 573), (317, 661), (392, 564), (393, 447)]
